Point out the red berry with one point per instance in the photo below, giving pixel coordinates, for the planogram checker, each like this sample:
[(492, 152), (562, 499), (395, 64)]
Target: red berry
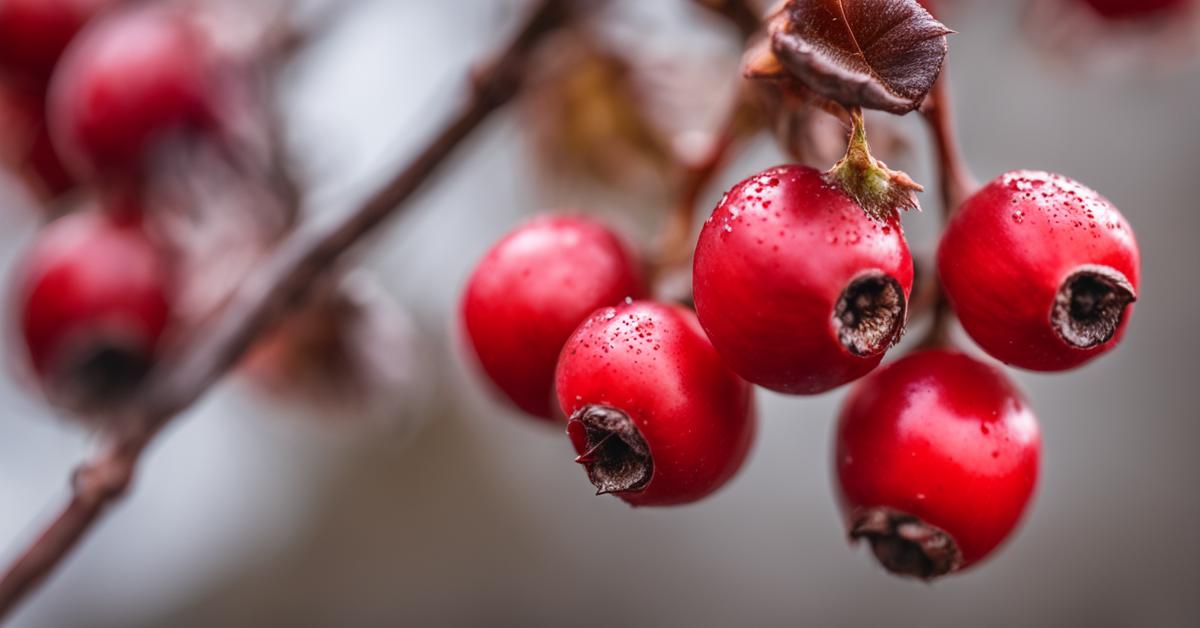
[(93, 306), (799, 290), (34, 33), (531, 291), (1123, 9), (130, 81), (937, 458), (25, 142), (655, 415), (1041, 270)]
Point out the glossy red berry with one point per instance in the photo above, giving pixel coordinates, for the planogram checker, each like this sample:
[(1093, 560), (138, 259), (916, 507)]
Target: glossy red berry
[(937, 458), (799, 290), (1124, 9), (130, 81), (1041, 270), (93, 304), (655, 416), (34, 33), (531, 291)]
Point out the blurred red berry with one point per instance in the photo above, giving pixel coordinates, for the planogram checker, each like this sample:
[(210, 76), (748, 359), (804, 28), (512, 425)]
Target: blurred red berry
[(656, 418), (25, 144), (532, 290), (798, 288), (937, 459), (1042, 270), (1125, 9), (130, 81), (34, 33), (93, 305)]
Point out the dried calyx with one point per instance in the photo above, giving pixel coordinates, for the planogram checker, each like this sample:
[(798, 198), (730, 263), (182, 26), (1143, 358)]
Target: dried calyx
[(869, 316), (615, 455), (1090, 304), (99, 377), (907, 546), (881, 192)]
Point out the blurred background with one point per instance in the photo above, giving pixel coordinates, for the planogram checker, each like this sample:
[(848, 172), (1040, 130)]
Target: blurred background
[(446, 508)]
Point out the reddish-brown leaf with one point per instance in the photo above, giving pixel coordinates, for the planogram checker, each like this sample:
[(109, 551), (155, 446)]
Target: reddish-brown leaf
[(877, 54)]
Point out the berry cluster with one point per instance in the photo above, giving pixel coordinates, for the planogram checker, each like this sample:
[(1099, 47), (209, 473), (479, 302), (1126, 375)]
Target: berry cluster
[(109, 89), (799, 290), (802, 281)]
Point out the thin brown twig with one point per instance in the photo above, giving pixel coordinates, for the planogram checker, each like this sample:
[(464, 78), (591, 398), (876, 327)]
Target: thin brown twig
[(956, 185), (280, 285), (677, 241)]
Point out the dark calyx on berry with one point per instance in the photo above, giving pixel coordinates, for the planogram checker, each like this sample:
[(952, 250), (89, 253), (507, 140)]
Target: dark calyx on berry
[(870, 314), (1090, 304), (615, 456), (102, 376), (907, 546)]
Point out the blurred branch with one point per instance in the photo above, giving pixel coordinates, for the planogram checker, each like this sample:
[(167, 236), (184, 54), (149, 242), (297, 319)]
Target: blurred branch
[(281, 284), (956, 183), (677, 241), (742, 13), (742, 121)]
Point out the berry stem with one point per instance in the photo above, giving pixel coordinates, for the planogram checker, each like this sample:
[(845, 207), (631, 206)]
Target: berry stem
[(282, 283), (956, 185), (881, 192)]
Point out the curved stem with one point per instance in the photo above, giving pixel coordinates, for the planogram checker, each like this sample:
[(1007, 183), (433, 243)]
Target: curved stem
[(956, 184), (280, 285)]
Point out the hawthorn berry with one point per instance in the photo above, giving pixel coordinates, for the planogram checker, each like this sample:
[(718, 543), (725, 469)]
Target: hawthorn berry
[(34, 33), (936, 460), (129, 82), (798, 288), (655, 415), (1041, 270), (25, 142), (1126, 9), (93, 305), (531, 290)]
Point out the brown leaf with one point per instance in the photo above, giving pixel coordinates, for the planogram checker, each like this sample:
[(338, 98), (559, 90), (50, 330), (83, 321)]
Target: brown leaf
[(876, 54)]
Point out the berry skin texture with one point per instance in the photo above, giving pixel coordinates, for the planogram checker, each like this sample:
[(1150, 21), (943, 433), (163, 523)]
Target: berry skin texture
[(34, 33), (531, 291), (936, 460), (799, 290), (128, 83), (93, 305), (1041, 270), (656, 417)]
